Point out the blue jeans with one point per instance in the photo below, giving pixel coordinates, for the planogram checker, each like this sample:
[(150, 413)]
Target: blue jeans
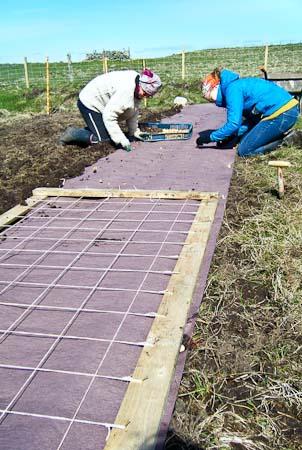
[(267, 135)]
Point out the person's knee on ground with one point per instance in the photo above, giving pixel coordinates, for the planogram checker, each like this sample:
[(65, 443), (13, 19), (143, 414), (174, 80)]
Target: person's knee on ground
[(245, 152), (293, 138), (78, 136)]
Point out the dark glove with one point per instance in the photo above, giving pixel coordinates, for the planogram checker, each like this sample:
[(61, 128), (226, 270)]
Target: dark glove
[(204, 138), (229, 142)]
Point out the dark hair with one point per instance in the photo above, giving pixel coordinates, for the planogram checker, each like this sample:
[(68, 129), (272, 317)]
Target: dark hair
[(216, 72)]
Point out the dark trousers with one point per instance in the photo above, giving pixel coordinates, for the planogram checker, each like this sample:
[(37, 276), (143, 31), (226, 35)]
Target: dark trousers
[(95, 123)]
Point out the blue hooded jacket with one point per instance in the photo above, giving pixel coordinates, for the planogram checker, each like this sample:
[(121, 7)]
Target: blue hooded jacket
[(243, 97)]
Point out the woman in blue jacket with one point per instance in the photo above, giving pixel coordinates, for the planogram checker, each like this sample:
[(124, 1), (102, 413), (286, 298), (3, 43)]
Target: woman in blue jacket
[(259, 112)]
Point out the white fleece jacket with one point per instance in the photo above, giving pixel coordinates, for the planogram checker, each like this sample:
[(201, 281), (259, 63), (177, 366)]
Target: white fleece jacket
[(112, 94)]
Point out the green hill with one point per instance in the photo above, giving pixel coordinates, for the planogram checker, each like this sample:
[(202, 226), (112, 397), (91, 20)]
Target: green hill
[(180, 74)]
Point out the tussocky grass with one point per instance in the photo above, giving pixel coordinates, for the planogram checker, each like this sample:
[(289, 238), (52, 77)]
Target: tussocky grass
[(242, 386)]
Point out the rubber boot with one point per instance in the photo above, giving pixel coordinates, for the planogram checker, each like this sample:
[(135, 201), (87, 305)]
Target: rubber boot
[(76, 136)]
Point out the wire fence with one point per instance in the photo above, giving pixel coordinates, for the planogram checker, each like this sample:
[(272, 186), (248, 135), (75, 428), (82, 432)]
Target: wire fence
[(66, 76)]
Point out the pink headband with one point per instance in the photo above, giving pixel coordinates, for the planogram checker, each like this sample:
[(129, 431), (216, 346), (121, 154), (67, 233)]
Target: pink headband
[(149, 81)]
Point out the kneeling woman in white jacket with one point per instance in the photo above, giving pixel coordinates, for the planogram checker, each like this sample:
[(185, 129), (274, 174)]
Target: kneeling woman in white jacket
[(108, 99)]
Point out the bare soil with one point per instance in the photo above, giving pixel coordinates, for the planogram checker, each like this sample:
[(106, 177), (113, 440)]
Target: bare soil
[(31, 155)]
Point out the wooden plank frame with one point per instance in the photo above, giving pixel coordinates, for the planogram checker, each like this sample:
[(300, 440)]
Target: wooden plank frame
[(14, 213), (144, 402)]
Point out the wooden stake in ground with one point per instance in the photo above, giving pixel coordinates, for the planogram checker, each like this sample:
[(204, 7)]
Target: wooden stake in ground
[(266, 58), (145, 98), (47, 87), (280, 179), (183, 65), (26, 73)]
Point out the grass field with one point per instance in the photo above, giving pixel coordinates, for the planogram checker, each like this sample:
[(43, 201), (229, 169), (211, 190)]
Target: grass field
[(242, 386), (66, 80)]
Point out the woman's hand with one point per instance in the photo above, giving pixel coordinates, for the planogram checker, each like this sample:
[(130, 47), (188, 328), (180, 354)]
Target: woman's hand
[(140, 136), (204, 138)]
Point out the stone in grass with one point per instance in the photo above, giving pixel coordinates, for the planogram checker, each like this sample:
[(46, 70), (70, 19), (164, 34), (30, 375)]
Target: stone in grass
[(180, 101)]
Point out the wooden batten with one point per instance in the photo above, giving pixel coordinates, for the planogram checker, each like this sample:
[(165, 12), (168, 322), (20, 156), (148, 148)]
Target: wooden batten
[(144, 404), (14, 213), (131, 193)]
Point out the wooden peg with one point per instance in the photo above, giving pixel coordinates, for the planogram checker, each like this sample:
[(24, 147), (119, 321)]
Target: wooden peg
[(280, 178)]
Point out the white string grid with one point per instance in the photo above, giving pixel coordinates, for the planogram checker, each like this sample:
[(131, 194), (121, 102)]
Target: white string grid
[(103, 272)]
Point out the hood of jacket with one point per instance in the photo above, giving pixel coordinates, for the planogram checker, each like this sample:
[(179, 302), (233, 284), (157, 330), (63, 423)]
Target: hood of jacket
[(226, 78)]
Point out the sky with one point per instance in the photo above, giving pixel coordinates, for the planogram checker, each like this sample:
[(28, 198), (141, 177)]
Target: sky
[(151, 28)]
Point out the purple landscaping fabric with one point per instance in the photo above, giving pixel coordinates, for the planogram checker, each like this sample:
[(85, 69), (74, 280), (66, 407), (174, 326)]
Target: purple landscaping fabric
[(79, 279), (177, 166)]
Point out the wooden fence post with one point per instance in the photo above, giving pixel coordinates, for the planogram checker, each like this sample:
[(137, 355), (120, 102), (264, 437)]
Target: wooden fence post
[(266, 58), (47, 87), (145, 98), (105, 64), (183, 67), (70, 69), (26, 73)]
